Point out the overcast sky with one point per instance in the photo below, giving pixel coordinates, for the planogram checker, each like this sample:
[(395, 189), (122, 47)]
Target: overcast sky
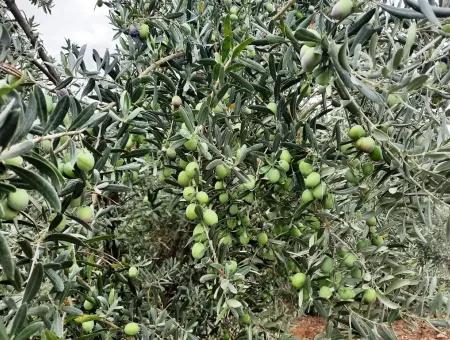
[(78, 20)]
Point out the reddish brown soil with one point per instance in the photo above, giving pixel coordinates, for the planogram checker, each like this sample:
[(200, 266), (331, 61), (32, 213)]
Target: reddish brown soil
[(310, 326)]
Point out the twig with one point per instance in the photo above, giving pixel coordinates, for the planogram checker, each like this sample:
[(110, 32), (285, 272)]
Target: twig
[(161, 62), (15, 11), (57, 135), (283, 9)]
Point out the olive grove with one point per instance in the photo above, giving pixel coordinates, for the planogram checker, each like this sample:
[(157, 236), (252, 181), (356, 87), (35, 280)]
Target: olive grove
[(230, 166)]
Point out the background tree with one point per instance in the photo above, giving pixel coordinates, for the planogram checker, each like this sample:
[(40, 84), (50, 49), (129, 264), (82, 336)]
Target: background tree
[(229, 166)]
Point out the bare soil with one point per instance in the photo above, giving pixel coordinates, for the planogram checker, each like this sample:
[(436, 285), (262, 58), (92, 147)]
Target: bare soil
[(308, 327)]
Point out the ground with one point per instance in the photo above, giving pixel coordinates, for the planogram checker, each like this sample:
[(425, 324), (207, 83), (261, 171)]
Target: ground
[(309, 327)]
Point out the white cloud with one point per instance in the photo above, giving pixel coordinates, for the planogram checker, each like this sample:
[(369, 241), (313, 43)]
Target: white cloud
[(73, 19)]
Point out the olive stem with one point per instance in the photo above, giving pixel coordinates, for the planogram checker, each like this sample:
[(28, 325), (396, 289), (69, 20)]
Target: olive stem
[(57, 135), (161, 62), (33, 38), (283, 9)]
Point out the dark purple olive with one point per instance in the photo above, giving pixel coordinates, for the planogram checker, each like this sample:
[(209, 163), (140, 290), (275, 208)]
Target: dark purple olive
[(133, 32)]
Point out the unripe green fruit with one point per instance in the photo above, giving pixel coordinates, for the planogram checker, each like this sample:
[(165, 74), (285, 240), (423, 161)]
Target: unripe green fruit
[(251, 183), (245, 221), (377, 154), (244, 239), (368, 168), (342, 252), (310, 60), (304, 49), (269, 7), (295, 232), (219, 185), (346, 293), (231, 266), (349, 260), (202, 197), (61, 224), (362, 244), (371, 221), (324, 78), (365, 144), (198, 250), (350, 176), (273, 175), (245, 319), (312, 180), (190, 212), (68, 170), (370, 296), (85, 161), (234, 9), (327, 265), (6, 213), (233, 209), (182, 164), (167, 172), (356, 132), (88, 305), (76, 202), (320, 191), (144, 31), (262, 239), (307, 196), (305, 168), (377, 240), (131, 329), (16, 161), (224, 198), (298, 280), (272, 107), (227, 240), (393, 100), (189, 193), (171, 153), (283, 165), (191, 144), (176, 101), (356, 273), (133, 272), (18, 200), (234, 17), (88, 326), (47, 145), (286, 156), (210, 217), (325, 292), (222, 171), (130, 143), (191, 169), (183, 179), (199, 233), (341, 9), (446, 28), (86, 214)]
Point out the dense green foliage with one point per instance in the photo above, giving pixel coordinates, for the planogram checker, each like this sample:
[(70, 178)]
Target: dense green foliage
[(232, 165)]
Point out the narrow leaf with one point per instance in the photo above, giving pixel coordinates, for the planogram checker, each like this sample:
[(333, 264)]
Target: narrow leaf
[(34, 282)]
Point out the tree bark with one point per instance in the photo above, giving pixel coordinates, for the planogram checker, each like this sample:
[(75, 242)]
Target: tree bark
[(15, 11)]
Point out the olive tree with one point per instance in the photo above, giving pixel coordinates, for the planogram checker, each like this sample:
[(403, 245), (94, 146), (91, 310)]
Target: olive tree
[(231, 165)]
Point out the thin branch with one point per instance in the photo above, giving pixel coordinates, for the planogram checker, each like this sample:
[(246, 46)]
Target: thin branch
[(15, 11), (160, 62), (283, 9)]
